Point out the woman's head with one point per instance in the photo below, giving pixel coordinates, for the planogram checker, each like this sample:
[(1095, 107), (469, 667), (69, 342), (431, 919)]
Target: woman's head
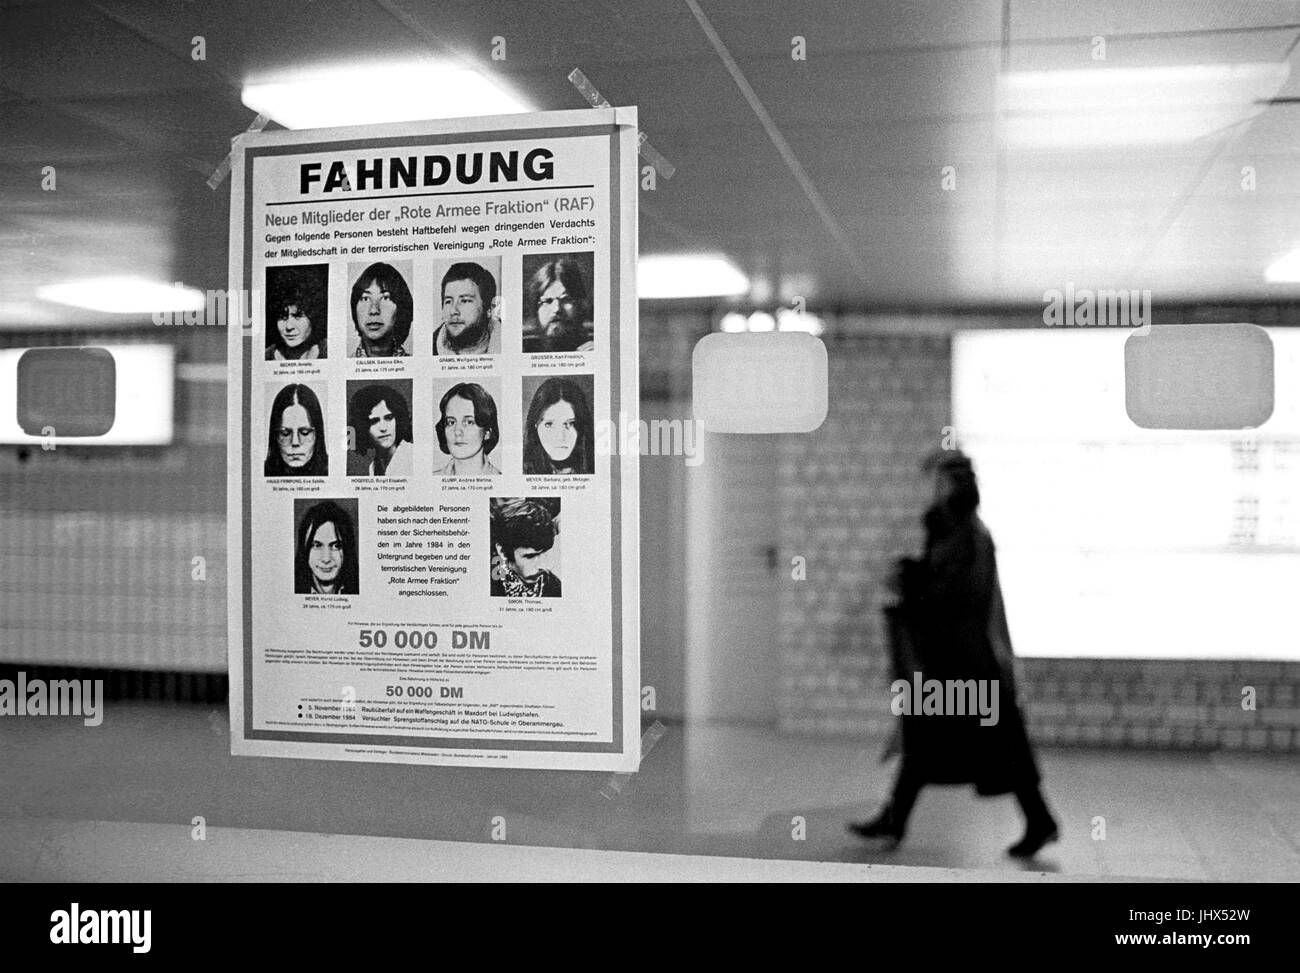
[(326, 551), (522, 531), (380, 418), (467, 422), (558, 431), (953, 477), (557, 295), (295, 311), (296, 436), (382, 307)]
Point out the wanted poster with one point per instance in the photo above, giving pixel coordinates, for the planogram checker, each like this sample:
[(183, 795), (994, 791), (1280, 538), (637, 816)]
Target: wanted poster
[(432, 558)]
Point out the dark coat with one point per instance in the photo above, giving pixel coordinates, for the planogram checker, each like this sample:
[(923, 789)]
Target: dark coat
[(950, 624)]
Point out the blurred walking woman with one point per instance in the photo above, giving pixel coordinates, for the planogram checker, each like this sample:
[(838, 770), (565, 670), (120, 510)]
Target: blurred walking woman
[(558, 433), (295, 441), (949, 624), (325, 559)]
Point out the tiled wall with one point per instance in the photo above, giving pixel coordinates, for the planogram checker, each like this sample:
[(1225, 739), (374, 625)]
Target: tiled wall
[(115, 557), (849, 505)]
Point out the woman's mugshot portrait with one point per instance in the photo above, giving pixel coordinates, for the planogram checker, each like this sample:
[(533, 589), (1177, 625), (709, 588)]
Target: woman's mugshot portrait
[(558, 430), (382, 310), (557, 302), (296, 320), (325, 548), (295, 438), (525, 547), (468, 431), (379, 429)]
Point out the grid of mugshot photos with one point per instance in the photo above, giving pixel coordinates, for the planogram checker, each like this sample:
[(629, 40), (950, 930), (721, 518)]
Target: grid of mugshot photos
[(342, 405)]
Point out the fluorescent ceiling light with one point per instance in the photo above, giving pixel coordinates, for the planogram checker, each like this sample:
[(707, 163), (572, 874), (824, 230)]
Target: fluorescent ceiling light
[(662, 276), (373, 93), (1285, 269), (122, 295), (1133, 106)]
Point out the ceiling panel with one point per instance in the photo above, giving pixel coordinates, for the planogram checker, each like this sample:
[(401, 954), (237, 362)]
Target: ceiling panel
[(61, 50), (1038, 19), (889, 94)]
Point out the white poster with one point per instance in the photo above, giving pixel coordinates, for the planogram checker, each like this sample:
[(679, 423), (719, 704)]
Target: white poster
[(433, 553)]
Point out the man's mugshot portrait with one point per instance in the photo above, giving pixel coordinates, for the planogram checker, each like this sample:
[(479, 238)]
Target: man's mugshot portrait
[(525, 547), (470, 304), (557, 302), (325, 547)]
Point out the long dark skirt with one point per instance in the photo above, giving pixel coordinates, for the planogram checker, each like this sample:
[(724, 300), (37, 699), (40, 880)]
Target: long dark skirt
[(997, 759), (949, 749)]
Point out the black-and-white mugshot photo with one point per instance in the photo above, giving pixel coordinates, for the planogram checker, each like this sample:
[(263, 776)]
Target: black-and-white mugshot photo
[(468, 298), (468, 428), (382, 308), (557, 302), (297, 315), (525, 537), (379, 428), (559, 433), (325, 547), (295, 431)]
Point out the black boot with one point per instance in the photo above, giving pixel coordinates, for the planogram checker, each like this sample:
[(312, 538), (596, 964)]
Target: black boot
[(891, 822), (1036, 836), (883, 825), (1040, 827)]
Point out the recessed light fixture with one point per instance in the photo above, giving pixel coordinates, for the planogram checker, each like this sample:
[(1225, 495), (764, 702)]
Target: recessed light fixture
[(351, 95), (122, 295), (791, 320), (665, 276), (1098, 107)]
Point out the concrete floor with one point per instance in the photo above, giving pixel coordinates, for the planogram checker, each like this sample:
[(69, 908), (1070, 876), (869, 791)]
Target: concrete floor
[(738, 792)]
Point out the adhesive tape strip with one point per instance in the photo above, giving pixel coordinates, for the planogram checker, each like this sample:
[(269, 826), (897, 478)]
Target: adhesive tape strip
[(646, 150), (223, 167)]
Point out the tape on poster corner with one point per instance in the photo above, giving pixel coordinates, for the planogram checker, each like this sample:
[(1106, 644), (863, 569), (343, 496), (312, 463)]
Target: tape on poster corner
[(223, 167), (644, 148), (653, 734)]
